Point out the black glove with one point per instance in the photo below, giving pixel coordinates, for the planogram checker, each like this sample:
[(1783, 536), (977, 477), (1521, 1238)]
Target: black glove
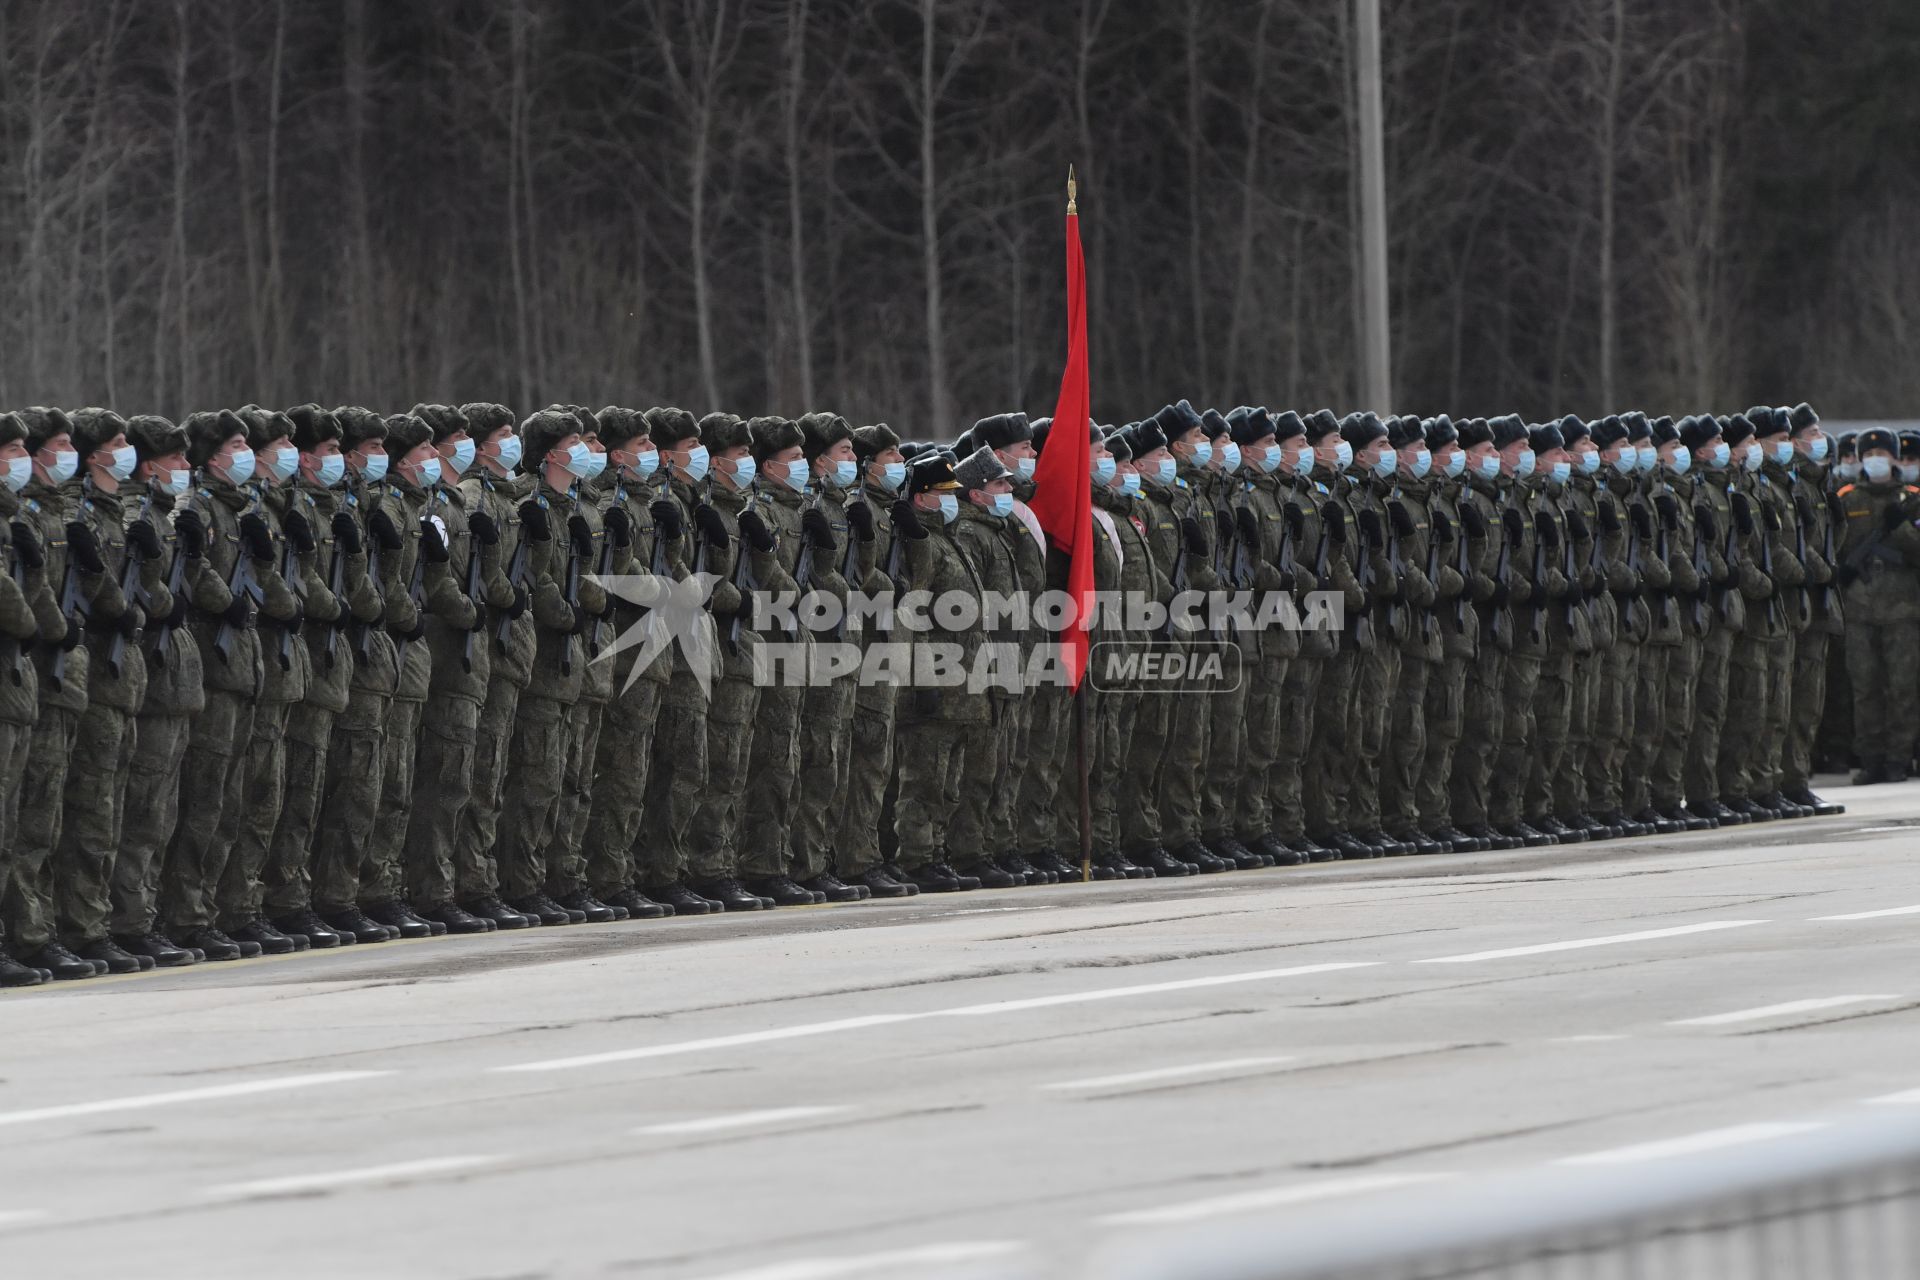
[(1473, 520), (1546, 530), (1501, 594), (1703, 520), (485, 531), (178, 618), (346, 532), (1577, 527), (1223, 526), (131, 621), (860, 519), (419, 629), (711, 526), (1890, 519), (1443, 531), (534, 523), (519, 605), (432, 545), (581, 620), (667, 520), (86, 548), (26, 545), (1642, 521), (1743, 515), (240, 612), (1370, 527), (299, 533), (580, 536), (76, 630), (755, 531), (386, 534), (1772, 517), (1847, 574), (619, 527), (257, 537), (1335, 519), (1296, 517), (1668, 508), (819, 531), (192, 532), (1193, 536), (144, 539), (1514, 526), (1609, 517), (906, 521), (1402, 518), (1247, 525)]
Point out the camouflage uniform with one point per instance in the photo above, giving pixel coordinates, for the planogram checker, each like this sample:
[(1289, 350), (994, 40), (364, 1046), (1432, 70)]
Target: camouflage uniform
[(1269, 654), (31, 624), (1469, 557), (1499, 580), (870, 756), (1808, 698), (567, 870), (1880, 555), (1321, 551), (1694, 565), (1222, 817), (1174, 730), (820, 796), (988, 778), (1537, 584), (1422, 648)]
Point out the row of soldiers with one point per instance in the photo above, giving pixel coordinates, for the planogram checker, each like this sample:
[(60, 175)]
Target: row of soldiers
[(321, 678)]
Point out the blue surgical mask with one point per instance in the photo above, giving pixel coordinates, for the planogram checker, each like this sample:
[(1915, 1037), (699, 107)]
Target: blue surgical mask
[(1229, 457), (429, 473), (1385, 465), (375, 469), (596, 463), (1422, 464), (65, 463), (1167, 469), (645, 463), (894, 474), (331, 471), (1722, 454), (579, 459), (1456, 464), (1817, 448), (1523, 465), (1303, 463), (1560, 472), (1104, 468), (1682, 462), (19, 471), (698, 460), (175, 482), (949, 508), (281, 461), (1910, 472), (1628, 462), (1342, 456), (1753, 457), (124, 461), (463, 455), (1489, 465), (846, 471), (1782, 452), (240, 466), (1879, 470), (796, 475), (1023, 468), (1000, 504), (744, 470), (1847, 470), (1589, 462), (1202, 453), (508, 453), (1649, 457), (1270, 458), (1130, 484)]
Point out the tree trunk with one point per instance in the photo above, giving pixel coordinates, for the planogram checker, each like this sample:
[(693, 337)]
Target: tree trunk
[(940, 414), (1609, 167), (796, 219)]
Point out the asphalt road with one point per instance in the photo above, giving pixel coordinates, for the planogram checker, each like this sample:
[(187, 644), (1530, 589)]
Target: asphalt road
[(1011, 1078)]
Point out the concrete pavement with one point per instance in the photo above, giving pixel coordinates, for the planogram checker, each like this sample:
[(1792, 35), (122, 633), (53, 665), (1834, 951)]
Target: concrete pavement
[(994, 1079)]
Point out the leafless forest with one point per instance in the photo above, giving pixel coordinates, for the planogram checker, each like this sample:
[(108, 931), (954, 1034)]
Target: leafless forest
[(857, 203)]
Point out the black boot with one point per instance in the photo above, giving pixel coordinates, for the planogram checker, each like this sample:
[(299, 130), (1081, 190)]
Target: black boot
[(103, 951), (967, 882), (990, 876), (1869, 773), (457, 918), (1104, 866), (1559, 830), (352, 922), (1129, 868), (15, 974), (933, 878), (686, 901), (1163, 863), (305, 924), (591, 910), (61, 964), (1242, 858), (837, 890), (1455, 840), (1806, 799), (1313, 850), (398, 917), (882, 885), (638, 905), (1015, 865), (157, 947), (502, 915), (1054, 865), (733, 896), (1195, 854), (550, 913), (1276, 851), (783, 891), (219, 946), (1748, 809)]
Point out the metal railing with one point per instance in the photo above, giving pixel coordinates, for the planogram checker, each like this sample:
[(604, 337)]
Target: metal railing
[(1838, 1203)]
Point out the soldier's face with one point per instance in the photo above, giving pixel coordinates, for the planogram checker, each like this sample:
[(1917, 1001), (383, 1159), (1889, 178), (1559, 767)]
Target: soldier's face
[(727, 462), (311, 460), (13, 449), (222, 461), (47, 457), (829, 462)]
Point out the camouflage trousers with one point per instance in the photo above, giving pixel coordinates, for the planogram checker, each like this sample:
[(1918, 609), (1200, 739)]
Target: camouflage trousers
[(1406, 749), (1885, 681), (869, 768), (1048, 760), (1292, 768), (1140, 817), (1808, 703), (530, 800), (1750, 696), (1223, 770), (1372, 707), (438, 866), (1012, 766), (820, 800), (1446, 718), (1571, 781), (29, 904), (1709, 717), (1553, 698), (1678, 700), (480, 820), (350, 801), (1483, 716), (90, 829), (1646, 727), (1517, 699), (152, 807), (773, 764), (242, 887), (290, 858), (16, 740), (1183, 766), (212, 799), (567, 869), (1332, 759), (1250, 770), (384, 878), (982, 788), (933, 757), (676, 784), (621, 768), (1611, 703), (1110, 723), (1782, 655), (714, 839)]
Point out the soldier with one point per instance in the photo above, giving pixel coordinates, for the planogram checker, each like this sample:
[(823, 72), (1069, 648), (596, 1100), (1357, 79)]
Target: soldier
[(128, 543), (1452, 512), (645, 532), (495, 487), (1787, 614), (340, 558), (870, 757), (1650, 620), (1808, 697), (1319, 686), (1746, 644), (1500, 584), (937, 725), (1880, 573), (563, 600), (1562, 532), (29, 616), (1424, 546), (1122, 812), (1846, 468), (1532, 526), (1694, 564), (1623, 531), (1713, 521), (817, 805), (743, 553), (1222, 819)]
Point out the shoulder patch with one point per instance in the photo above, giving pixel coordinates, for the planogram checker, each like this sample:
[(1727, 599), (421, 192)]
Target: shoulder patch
[(1844, 490)]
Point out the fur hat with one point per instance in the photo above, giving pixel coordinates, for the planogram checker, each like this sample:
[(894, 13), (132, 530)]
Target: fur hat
[(1661, 431), (1214, 424), (1001, 431), (1634, 420), (405, 433), (1802, 416), (1770, 422), (43, 425), (670, 427), (542, 432), (1362, 429), (1608, 432), (1506, 429), (265, 426), (1848, 447), (1909, 445), (92, 428), (981, 468), (153, 436), (1474, 431), (720, 431), (442, 420), (1573, 430), (1145, 437), (1288, 424), (929, 472), (208, 433), (1541, 439), (769, 434), (1176, 420), (819, 432), (619, 426), (1698, 430), (11, 428), (1440, 432), (1878, 438), (1404, 431), (358, 425), (1320, 424), (1737, 429), (871, 441), (312, 426), (1249, 425), (1117, 445), (484, 418)]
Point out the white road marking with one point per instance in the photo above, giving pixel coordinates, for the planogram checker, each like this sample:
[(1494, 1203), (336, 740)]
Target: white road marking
[(1711, 1140), (1272, 1197), (887, 1019), (929, 1255), (20, 1217), (1577, 944), (1911, 1098), (1776, 1011), (741, 1120), (299, 1182), (1167, 1073), (1586, 1039), (207, 1094), (1875, 915)]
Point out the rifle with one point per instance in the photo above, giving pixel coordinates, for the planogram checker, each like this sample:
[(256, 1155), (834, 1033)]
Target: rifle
[(129, 587), (414, 586), (1702, 563), (1363, 628), (473, 594), (240, 583), (516, 575), (1396, 565), (290, 570), (337, 584), (1537, 627), (603, 570), (1511, 532), (1240, 575), (363, 632), (744, 580), (849, 568), (573, 597), (1661, 548), (1575, 592), (1427, 619), (1462, 565), (176, 587)]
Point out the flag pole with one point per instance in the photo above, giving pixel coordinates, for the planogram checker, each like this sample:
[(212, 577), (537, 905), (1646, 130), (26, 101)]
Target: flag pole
[(1081, 770)]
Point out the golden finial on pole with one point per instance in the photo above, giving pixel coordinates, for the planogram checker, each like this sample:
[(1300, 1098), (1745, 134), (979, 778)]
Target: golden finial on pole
[(1072, 189)]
